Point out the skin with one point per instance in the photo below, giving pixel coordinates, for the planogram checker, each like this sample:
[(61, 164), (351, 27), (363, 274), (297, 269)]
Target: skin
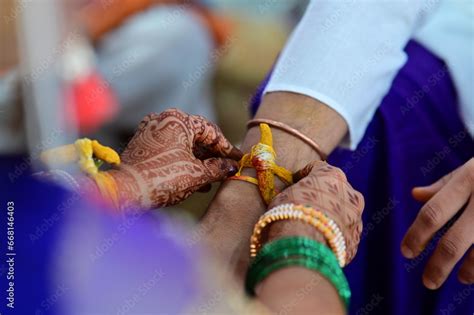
[(237, 206), (228, 234), (325, 188), (174, 138), (171, 156), (443, 200)]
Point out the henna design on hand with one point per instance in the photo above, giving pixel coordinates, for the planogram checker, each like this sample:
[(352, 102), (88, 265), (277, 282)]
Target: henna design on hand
[(172, 155), (325, 188)]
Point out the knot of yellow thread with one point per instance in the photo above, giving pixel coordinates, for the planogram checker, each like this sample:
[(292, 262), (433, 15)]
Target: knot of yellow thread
[(262, 158), (83, 151)]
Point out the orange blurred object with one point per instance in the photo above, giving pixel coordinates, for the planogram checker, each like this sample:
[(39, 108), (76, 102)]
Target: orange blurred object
[(99, 18)]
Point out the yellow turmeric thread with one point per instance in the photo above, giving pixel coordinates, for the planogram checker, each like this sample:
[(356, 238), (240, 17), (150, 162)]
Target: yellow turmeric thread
[(262, 158), (83, 152)]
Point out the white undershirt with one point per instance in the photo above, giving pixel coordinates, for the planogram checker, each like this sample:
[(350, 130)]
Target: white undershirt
[(345, 53)]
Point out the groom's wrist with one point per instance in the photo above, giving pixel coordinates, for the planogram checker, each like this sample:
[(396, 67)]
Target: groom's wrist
[(291, 153), (312, 118)]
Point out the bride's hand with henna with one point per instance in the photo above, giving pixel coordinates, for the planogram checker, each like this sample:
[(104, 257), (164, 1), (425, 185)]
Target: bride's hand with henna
[(171, 156), (325, 188)]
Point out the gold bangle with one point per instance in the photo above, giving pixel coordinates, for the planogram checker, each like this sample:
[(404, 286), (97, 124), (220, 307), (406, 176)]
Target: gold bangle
[(326, 226)]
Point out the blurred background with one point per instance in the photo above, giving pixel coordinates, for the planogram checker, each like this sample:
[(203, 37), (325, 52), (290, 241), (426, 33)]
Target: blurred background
[(73, 68)]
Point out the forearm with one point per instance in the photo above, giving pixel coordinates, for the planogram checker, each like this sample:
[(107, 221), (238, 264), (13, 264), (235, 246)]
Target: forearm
[(296, 290), (122, 186), (240, 202)]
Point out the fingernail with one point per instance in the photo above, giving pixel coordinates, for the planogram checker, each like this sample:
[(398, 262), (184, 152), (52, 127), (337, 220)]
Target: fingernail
[(430, 284), (232, 169), (464, 281), (466, 278), (407, 252)]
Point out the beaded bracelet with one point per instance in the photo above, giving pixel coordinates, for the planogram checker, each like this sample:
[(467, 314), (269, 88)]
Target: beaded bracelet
[(338, 243), (297, 251), (316, 218), (326, 226)]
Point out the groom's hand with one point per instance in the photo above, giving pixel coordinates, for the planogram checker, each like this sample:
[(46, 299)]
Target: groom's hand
[(444, 199)]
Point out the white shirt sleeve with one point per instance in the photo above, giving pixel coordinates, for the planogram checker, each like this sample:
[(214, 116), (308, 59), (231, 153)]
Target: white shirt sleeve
[(345, 53)]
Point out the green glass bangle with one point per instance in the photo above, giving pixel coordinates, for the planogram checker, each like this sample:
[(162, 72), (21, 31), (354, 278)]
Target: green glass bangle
[(297, 251), (287, 249)]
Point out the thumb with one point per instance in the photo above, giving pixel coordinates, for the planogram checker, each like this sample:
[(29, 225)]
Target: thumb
[(424, 193), (218, 169)]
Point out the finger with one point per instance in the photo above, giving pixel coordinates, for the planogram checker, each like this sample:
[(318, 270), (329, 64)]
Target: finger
[(305, 171), (435, 213), (424, 193), (147, 119), (210, 136), (218, 169), (355, 198), (201, 152), (205, 189), (450, 249), (466, 272)]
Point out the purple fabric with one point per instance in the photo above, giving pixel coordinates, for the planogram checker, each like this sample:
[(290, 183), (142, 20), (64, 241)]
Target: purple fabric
[(415, 137), (71, 258)]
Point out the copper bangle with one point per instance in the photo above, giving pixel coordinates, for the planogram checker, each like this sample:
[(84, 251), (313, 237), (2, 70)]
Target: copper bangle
[(290, 130)]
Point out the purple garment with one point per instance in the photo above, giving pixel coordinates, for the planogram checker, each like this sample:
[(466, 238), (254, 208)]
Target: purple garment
[(415, 137), (72, 258)]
